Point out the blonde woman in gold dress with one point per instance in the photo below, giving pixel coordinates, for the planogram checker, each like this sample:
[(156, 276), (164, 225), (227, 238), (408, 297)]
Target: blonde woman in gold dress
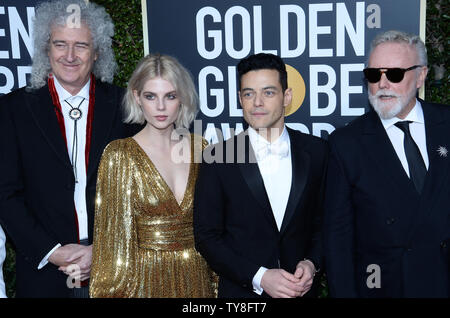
[(143, 232)]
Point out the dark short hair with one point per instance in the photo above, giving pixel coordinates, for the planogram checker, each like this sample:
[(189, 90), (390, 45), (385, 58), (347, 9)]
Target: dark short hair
[(263, 61)]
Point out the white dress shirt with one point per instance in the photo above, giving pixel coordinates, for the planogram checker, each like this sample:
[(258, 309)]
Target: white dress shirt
[(79, 156), (2, 259), (276, 173), (417, 129)]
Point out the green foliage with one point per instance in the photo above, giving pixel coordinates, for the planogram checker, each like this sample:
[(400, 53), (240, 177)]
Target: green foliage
[(323, 289), (437, 37), (9, 271), (128, 42), (128, 46)]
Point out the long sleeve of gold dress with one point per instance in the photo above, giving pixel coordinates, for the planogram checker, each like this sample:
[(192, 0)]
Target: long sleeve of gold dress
[(143, 238)]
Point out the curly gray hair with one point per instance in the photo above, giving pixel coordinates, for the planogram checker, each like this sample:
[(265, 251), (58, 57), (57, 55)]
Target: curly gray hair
[(60, 12)]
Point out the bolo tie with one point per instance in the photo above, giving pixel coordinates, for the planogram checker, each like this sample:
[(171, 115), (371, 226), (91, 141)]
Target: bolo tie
[(75, 114)]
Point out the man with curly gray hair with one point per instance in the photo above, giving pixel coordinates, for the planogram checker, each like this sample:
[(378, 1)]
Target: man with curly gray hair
[(52, 134)]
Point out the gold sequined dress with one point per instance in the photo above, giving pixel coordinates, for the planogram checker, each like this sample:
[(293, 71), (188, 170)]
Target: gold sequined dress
[(143, 239)]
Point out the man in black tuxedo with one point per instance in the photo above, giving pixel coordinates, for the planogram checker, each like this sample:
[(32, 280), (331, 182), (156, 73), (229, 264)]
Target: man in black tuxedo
[(257, 216), (387, 219), (52, 135)]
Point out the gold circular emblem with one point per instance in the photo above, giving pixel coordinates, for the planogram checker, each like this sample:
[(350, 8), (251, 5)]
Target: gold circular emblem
[(296, 82)]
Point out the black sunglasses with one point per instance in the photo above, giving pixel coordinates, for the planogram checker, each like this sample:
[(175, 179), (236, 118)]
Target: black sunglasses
[(394, 75)]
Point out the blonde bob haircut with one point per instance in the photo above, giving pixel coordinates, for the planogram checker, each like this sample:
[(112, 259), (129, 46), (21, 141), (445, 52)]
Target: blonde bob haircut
[(169, 69)]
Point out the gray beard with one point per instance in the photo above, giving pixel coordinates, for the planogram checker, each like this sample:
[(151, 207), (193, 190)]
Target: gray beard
[(388, 110)]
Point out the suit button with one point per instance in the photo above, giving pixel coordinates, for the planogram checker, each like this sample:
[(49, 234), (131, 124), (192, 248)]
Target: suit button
[(390, 221), (443, 244)]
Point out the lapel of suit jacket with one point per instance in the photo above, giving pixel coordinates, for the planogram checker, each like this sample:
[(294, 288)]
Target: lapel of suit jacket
[(42, 110), (104, 114), (378, 146), (300, 167), (436, 130), (252, 176)]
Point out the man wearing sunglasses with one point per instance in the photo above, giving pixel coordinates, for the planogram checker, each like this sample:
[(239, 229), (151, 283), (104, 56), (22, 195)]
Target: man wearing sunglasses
[(387, 219)]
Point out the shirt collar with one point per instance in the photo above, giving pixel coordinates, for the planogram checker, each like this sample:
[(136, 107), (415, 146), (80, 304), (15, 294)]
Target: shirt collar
[(63, 94), (415, 115), (256, 139)]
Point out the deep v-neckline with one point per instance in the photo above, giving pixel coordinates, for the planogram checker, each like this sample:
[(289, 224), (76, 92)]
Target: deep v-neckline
[(163, 181)]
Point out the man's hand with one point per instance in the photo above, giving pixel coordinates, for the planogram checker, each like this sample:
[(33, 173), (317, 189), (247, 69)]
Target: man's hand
[(73, 254), (305, 272), (280, 284), (61, 255)]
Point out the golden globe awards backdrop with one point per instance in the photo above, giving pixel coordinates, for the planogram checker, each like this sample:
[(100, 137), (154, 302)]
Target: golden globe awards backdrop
[(323, 43), (16, 46)]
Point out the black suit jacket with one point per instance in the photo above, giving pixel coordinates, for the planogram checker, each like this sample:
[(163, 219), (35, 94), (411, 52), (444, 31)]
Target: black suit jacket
[(37, 181), (234, 226), (375, 216)]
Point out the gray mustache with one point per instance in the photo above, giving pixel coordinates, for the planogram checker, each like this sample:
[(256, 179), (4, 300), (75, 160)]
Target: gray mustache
[(385, 93)]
